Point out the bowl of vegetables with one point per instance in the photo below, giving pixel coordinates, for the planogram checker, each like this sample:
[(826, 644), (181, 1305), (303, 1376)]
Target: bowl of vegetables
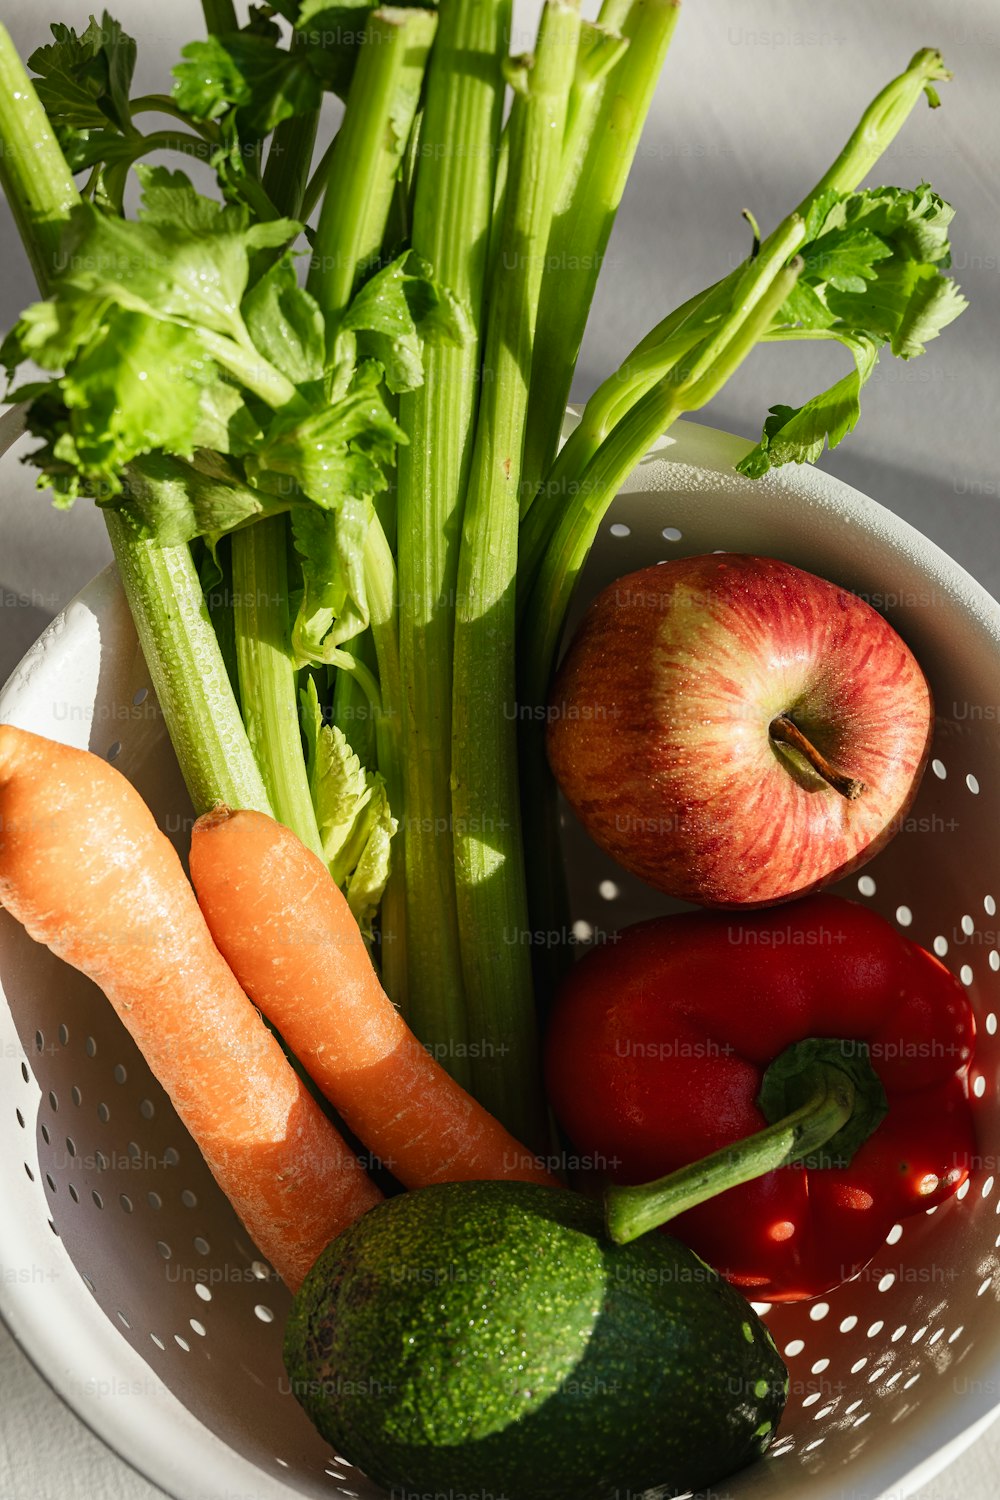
[(297, 1189)]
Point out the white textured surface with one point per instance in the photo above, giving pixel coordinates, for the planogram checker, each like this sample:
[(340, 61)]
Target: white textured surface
[(753, 100)]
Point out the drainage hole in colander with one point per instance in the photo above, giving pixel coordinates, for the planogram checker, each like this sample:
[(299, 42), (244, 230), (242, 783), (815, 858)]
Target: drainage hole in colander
[(793, 1347), (122, 1319), (125, 1201), (101, 1161), (76, 1096), (812, 1398), (968, 925), (818, 1311), (158, 1342), (965, 974), (90, 1047), (24, 1072), (937, 1334), (49, 1182), (164, 1249), (264, 1313), (866, 885), (261, 1270), (973, 784), (957, 1334), (103, 1113), (985, 1286), (282, 1461), (897, 1333), (911, 1382), (825, 1411), (940, 945), (147, 1109), (620, 529), (904, 916), (819, 1366), (887, 1281), (203, 1291), (39, 1042), (991, 1024), (979, 1086), (994, 960), (189, 1199), (53, 1099), (45, 1133), (115, 750), (171, 1157), (895, 1235), (120, 1074), (608, 890), (938, 767), (816, 1442), (201, 1245), (875, 1328), (848, 1323), (71, 1145), (86, 1281), (31, 1175), (98, 1200), (199, 1328), (154, 1200), (863, 1418), (182, 1343), (671, 534), (73, 1193), (989, 906), (64, 1034), (877, 1373), (859, 1365)]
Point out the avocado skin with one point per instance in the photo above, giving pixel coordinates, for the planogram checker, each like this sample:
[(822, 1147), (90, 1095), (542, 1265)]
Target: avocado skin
[(488, 1338)]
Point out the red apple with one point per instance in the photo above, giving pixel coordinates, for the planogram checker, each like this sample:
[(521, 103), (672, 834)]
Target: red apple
[(736, 731)]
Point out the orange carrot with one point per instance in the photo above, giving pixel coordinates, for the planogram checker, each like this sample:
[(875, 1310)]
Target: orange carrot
[(86, 871), (292, 942)]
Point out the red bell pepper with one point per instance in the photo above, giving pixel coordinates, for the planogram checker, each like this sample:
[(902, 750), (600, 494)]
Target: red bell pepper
[(657, 1053)]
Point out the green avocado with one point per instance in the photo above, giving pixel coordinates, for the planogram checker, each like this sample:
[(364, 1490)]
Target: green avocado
[(487, 1337)]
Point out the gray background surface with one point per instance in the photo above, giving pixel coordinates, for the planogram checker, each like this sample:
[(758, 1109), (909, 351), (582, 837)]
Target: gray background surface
[(755, 101)]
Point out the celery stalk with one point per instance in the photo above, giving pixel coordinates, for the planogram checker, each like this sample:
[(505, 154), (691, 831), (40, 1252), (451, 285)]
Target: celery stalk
[(597, 161), (489, 861), (360, 183), (189, 675), (161, 583), (220, 16), (267, 677), (451, 219), (36, 181), (367, 152), (381, 588)]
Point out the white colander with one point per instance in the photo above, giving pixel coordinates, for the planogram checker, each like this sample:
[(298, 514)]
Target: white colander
[(127, 1278)]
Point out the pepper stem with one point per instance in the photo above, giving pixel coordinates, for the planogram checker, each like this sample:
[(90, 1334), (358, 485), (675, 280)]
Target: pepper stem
[(842, 1103), (786, 732)]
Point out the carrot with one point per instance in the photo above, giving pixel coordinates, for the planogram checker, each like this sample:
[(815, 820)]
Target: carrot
[(291, 940), (84, 868)]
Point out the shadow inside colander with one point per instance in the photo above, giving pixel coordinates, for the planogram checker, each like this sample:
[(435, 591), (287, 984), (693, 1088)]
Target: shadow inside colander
[(147, 1229)]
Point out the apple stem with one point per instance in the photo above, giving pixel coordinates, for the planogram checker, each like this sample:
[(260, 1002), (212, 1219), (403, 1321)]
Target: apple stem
[(787, 732)]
